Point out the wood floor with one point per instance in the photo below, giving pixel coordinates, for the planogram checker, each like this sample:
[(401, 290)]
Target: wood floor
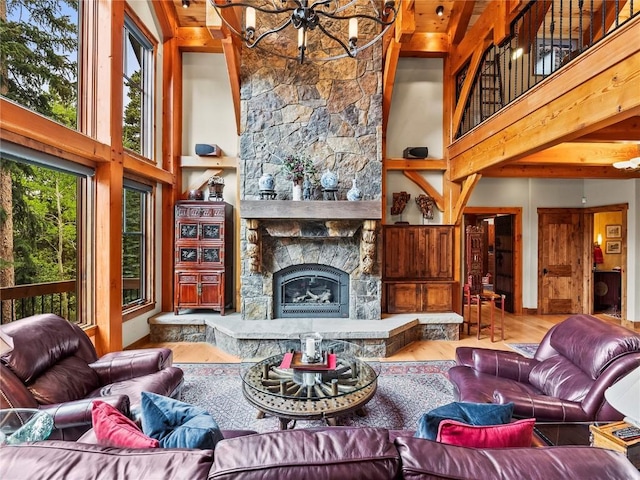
[(518, 329)]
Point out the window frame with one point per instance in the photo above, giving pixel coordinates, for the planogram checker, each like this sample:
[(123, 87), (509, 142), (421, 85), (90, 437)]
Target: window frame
[(147, 276), (134, 27)]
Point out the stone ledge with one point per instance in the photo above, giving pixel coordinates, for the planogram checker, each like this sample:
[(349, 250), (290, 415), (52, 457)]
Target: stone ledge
[(261, 338)]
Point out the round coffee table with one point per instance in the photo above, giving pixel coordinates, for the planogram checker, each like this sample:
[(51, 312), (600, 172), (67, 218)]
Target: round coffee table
[(311, 393)]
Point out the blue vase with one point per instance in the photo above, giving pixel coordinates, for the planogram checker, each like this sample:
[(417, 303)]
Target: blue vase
[(329, 180), (266, 183), (354, 194)]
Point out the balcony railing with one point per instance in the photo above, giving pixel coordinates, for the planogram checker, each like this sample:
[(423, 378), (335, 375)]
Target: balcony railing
[(60, 298), (545, 36), (51, 297)]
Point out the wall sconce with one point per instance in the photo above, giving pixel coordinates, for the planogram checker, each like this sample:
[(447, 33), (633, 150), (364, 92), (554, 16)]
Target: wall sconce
[(440, 10), (599, 239), (186, 3)]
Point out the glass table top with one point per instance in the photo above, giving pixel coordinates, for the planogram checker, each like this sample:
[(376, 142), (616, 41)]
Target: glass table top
[(18, 425)]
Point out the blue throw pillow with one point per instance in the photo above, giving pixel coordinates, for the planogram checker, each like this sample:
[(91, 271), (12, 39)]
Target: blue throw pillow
[(178, 424), (465, 412)]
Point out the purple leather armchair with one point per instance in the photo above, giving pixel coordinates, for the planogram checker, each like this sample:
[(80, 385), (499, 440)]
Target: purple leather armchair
[(54, 367), (575, 363)]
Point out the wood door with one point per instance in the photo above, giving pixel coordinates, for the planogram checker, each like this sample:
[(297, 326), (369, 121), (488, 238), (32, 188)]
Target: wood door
[(560, 266), (504, 255)]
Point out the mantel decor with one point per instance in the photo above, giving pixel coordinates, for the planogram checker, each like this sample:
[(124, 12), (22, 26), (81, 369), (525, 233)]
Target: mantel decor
[(318, 30)]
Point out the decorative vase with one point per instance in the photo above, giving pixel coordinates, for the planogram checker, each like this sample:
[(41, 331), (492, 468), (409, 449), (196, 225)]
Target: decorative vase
[(266, 183), (354, 194), (296, 191), (329, 180)]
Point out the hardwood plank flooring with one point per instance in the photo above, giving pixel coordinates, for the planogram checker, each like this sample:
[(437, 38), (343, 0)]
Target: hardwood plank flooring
[(518, 329)]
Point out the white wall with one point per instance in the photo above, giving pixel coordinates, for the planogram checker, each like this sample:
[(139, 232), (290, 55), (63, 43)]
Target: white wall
[(207, 113), (415, 120)]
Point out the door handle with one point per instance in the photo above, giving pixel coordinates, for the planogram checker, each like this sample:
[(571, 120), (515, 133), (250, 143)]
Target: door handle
[(545, 271)]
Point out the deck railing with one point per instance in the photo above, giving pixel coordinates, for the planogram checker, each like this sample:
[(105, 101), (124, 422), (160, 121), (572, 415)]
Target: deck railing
[(545, 36), (60, 298)]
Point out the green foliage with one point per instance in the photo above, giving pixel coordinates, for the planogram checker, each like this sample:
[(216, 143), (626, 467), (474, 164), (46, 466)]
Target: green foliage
[(38, 51), (132, 127)]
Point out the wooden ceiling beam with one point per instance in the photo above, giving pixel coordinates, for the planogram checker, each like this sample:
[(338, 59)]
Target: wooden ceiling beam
[(627, 130), (586, 154), (388, 81), (232, 57), (482, 29), (167, 18), (197, 39), (460, 18), (426, 45), (560, 171), (467, 188), (608, 8), (405, 22)]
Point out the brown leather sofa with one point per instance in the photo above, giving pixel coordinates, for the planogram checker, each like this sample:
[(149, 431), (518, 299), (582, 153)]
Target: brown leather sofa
[(331, 453), (54, 367), (577, 360)]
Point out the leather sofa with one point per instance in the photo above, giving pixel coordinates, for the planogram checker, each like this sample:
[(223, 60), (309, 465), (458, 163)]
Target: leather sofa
[(53, 366), (331, 453), (577, 360)]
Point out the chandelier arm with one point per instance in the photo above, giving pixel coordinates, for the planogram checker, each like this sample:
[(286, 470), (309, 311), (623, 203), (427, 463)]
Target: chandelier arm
[(267, 33), (333, 37), (260, 9), (367, 17)]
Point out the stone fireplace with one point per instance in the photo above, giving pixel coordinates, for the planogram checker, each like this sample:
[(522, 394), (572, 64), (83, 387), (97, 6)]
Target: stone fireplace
[(331, 113)]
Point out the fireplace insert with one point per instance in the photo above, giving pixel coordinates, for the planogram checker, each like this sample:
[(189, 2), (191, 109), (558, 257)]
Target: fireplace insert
[(311, 290)]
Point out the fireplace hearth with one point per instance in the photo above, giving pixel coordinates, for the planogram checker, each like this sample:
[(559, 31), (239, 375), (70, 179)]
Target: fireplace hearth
[(311, 290)]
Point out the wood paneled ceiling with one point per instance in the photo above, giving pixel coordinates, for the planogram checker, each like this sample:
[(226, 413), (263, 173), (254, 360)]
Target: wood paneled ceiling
[(586, 156)]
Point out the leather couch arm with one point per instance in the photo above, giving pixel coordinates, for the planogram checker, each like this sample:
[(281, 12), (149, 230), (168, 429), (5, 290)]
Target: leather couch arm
[(503, 364), (78, 412), (119, 366), (541, 406)]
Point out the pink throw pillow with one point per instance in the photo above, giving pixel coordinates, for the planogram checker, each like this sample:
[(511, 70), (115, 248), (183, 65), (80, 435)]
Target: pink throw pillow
[(516, 434), (116, 430)]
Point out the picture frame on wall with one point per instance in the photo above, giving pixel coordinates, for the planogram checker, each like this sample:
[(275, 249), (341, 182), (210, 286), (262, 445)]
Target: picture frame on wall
[(614, 231), (614, 246)]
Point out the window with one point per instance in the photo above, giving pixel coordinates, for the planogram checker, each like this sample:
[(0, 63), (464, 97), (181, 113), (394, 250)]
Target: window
[(138, 70), (136, 244), (39, 52), (45, 224)]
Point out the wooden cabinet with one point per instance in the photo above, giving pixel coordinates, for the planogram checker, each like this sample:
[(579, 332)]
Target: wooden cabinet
[(607, 289), (417, 268), (203, 255)]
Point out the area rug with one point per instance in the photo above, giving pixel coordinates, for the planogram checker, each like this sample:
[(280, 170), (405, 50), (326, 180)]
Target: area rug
[(526, 349), (406, 390)]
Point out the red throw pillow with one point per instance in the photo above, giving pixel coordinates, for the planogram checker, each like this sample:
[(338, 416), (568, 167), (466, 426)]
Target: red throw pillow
[(116, 430), (516, 434)]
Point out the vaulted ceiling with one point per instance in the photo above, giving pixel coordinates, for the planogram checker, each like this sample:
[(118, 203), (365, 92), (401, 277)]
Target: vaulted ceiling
[(586, 150)]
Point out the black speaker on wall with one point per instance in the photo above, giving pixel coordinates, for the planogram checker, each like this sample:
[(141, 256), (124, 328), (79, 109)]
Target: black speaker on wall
[(415, 152), (207, 150)]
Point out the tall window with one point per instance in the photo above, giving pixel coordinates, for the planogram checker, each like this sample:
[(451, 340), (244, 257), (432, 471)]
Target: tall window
[(138, 70), (39, 57), (45, 218), (136, 244)]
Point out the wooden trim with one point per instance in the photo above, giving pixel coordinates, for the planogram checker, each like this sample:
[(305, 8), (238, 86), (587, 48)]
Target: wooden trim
[(426, 45), (422, 182), (197, 39), (414, 164), (316, 210), (559, 171), (388, 81), (467, 188), (518, 252), (208, 162), (459, 21), (232, 56), (167, 18), (136, 311), (27, 128), (140, 166), (405, 22)]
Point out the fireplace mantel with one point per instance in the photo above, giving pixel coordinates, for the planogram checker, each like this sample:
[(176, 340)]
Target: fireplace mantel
[(311, 210)]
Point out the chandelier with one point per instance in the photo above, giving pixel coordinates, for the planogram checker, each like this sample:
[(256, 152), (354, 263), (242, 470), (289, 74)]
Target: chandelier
[(317, 30), (630, 164)]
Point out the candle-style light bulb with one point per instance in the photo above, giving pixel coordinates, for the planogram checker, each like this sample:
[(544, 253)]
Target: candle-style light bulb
[(311, 348), (302, 38), (250, 18), (353, 29)]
